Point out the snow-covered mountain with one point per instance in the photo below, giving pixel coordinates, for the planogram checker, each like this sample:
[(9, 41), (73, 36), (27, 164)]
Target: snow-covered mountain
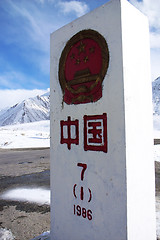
[(38, 108), (156, 96), (30, 110)]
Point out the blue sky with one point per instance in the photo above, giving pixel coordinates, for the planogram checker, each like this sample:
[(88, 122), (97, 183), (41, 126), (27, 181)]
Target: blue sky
[(25, 40)]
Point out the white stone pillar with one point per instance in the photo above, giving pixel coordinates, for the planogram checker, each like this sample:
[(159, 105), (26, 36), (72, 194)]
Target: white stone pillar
[(102, 168)]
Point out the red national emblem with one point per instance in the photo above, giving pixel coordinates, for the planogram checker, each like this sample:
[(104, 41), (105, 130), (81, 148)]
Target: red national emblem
[(95, 132), (82, 67), (71, 135)]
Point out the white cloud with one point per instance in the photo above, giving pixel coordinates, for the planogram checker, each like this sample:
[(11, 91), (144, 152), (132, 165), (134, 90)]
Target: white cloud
[(35, 24), (155, 63), (155, 40), (9, 97), (32, 35), (77, 7), (151, 8), (12, 79)]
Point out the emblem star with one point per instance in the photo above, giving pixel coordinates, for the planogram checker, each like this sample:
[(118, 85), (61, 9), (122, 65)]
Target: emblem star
[(81, 48), (78, 61), (86, 59)]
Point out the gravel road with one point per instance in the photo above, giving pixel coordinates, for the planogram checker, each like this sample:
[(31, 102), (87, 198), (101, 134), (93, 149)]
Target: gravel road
[(21, 168)]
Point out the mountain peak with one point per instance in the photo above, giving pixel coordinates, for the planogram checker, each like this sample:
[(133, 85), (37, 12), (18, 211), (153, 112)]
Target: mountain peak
[(30, 110)]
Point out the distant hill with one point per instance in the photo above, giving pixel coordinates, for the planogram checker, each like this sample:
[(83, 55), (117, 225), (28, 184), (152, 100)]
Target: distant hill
[(30, 110)]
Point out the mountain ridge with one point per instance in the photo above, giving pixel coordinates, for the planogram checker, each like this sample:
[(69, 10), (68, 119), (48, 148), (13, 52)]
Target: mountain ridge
[(29, 110)]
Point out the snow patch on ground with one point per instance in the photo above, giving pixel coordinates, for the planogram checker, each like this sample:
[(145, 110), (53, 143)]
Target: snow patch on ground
[(28, 135), (6, 234), (34, 195), (43, 236)]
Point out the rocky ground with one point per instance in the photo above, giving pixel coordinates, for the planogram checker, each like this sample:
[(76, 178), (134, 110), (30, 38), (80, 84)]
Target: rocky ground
[(24, 168)]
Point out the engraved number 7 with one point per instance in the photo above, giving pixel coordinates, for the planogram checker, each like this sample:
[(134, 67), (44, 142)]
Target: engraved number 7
[(84, 167)]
